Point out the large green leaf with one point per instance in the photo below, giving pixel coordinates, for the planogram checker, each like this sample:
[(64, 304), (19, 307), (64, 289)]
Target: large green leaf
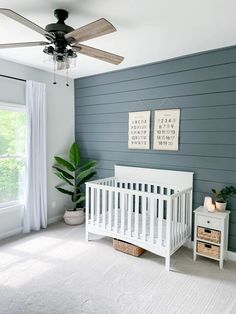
[(87, 178), (65, 163), (88, 165), (83, 175), (65, 174), (81, 199), (64, 191), (80, 194), (74, 155), (60, 175)]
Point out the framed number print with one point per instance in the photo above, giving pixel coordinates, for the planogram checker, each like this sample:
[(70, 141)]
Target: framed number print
[(139, 130), (166, 129)]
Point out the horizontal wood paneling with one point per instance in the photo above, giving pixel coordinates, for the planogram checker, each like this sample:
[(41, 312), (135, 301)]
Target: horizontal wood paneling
[(185, 137), (213, 112), (177, 90), (210, 125), (189, 101), (203, 74), (202, 85), (201, 60), (185, 149)]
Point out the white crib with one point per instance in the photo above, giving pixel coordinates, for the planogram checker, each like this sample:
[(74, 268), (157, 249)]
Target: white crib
[(150, 208)]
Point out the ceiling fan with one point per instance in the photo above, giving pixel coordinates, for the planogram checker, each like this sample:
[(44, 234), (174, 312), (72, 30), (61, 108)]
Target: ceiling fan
[(63, 41)]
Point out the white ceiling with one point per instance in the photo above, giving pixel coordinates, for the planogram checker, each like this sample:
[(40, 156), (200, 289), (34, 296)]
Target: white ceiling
[(147, 31)]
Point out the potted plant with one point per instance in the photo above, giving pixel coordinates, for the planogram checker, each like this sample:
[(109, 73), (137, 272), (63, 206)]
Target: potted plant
[(222, 196), (74, 174)]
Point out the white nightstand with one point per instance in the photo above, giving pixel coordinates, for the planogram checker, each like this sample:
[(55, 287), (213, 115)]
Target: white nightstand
[(211, 234)]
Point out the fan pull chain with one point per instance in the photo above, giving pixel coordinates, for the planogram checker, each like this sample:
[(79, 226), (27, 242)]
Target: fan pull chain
[(67, 81)]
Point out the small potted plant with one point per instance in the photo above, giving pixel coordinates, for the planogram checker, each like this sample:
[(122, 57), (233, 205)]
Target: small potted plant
[(222, 196), (74, 174)]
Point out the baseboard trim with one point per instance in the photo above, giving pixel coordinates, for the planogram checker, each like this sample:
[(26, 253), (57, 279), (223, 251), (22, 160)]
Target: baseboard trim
[(52, 220), (231, 256), (17, 231), (11, 233)]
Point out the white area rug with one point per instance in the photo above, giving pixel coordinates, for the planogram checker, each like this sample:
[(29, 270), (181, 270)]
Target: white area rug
[(56, 271)]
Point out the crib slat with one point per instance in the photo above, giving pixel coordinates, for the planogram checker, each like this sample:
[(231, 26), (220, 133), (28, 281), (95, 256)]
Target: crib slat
[(161, 190), (87, 206), (160, 220), (98, 206), (190, 210), (143, 187), (109, 209), (182, 217), (116, 212), (172, 244), (92, 207), (175, 220), (152, 213), (122, 212), (189, 206), (104, 202), (168, 233), (144, 218), (179, 219), (130, 210), (136, 217)]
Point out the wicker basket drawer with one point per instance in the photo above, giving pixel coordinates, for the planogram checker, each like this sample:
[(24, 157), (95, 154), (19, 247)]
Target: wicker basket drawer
[(127, 248), (208, 249), (208, 234)]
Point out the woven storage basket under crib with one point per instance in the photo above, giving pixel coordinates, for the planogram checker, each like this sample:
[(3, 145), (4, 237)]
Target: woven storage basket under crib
[(127, 248)]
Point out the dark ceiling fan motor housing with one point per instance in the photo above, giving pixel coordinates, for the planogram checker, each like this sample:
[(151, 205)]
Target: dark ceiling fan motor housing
[(60, 26), (59, 29)]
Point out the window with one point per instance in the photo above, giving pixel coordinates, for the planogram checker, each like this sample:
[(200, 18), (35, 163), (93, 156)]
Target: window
[(12, 154)]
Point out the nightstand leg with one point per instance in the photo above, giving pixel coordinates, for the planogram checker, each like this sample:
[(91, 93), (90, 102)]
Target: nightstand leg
[(221, 264), (194, 256)]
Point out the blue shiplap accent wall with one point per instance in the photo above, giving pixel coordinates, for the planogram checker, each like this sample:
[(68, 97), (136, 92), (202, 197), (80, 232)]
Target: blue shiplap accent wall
[(202, 85)]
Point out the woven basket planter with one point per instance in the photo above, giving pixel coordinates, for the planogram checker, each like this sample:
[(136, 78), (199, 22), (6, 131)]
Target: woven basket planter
[(127, 248)]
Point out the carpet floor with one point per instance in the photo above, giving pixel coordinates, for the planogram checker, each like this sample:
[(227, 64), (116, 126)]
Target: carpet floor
[(56, 272)]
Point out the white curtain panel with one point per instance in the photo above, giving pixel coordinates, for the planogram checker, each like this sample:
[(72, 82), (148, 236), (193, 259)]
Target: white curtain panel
[(35, 213)]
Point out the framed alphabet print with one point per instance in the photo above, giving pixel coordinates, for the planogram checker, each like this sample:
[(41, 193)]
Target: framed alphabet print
[(139, 130), (166, 129)]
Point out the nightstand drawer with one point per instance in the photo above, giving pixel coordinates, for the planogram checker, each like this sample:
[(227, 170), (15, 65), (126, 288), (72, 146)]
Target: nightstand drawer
[(208, 234), (209, 222), (209, 250)]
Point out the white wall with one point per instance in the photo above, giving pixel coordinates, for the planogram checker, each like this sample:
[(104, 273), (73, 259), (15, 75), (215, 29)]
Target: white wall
[(60, 130)]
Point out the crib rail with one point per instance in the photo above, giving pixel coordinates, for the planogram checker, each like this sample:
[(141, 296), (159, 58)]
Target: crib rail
[(153, 216)]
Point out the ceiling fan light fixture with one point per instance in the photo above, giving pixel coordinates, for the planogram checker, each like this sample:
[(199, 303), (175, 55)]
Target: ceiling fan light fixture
[(63, 60), (48, 50)]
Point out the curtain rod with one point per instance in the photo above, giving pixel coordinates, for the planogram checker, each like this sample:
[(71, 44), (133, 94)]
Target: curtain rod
[(12, 78)]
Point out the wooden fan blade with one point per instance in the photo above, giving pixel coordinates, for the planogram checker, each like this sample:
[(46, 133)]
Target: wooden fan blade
[(95, 29), (25, 44), (99, 54), (19, 18)]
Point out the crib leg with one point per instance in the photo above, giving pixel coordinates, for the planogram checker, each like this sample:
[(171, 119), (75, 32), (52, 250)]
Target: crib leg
[(86, 236), (167, 263)]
